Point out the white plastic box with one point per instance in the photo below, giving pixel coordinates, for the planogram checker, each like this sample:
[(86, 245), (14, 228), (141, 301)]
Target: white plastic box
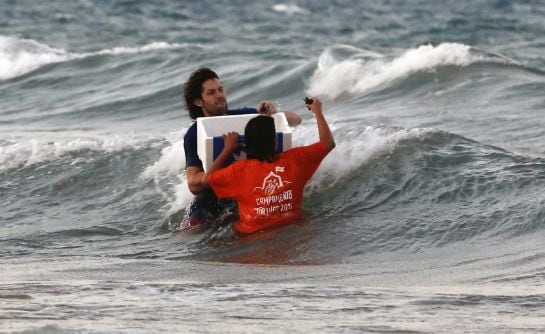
[(210, 131)]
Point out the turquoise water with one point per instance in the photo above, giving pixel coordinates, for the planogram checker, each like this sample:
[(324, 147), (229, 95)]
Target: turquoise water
[(428, 217)]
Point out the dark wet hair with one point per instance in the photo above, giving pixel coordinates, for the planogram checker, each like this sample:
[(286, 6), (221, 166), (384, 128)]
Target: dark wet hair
[(260, 136), (193, 90)]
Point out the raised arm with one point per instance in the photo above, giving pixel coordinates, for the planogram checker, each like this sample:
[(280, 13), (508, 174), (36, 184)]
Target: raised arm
[(323, 128)]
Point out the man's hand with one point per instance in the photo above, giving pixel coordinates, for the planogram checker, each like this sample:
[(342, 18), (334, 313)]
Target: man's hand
[(266, 108)]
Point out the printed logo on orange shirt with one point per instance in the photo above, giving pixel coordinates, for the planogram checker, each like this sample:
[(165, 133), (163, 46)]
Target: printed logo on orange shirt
[(274, 195), (272, 182)]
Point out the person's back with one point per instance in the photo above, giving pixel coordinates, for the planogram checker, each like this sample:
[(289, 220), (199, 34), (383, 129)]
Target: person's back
[(268, 193), (268, 187)]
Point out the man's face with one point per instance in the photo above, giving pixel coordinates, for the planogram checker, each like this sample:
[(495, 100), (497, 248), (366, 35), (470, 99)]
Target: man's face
[(213, 101)]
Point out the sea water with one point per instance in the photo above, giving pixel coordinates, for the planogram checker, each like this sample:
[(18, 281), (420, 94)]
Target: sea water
[(428, 217)]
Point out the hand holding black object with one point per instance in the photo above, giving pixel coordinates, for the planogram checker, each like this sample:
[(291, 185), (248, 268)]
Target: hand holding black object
[(308, 100), (313, 104)]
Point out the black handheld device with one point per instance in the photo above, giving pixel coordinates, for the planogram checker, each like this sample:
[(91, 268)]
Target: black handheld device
[(308, 100)]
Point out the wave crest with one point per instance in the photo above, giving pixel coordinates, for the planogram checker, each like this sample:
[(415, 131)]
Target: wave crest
[(22, 56), (25, 153), (357, 147), (355, 76), (168, 177)]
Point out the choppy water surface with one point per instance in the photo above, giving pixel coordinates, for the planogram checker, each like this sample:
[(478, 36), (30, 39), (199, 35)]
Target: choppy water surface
[(428, 217)]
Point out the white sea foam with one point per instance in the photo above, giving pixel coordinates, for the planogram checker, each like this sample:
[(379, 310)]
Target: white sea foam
[(170, 163), (166, 173), (334, 78), (168, 176), (28, 152), (132, 50), (356, 147), (21, 56), (288, 8)]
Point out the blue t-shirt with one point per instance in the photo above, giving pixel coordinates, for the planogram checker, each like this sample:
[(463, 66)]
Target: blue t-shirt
[(190, 139)]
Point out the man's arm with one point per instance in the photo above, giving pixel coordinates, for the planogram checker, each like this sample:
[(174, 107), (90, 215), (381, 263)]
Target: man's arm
[(193, 166), (267, 108), (194, 176), (293, 118)]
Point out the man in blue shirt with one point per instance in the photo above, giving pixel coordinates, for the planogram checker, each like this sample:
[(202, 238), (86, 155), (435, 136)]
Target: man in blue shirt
[(205, 96)]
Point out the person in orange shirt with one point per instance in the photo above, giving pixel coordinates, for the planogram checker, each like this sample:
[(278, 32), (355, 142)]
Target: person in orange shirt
[(268, 186)]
